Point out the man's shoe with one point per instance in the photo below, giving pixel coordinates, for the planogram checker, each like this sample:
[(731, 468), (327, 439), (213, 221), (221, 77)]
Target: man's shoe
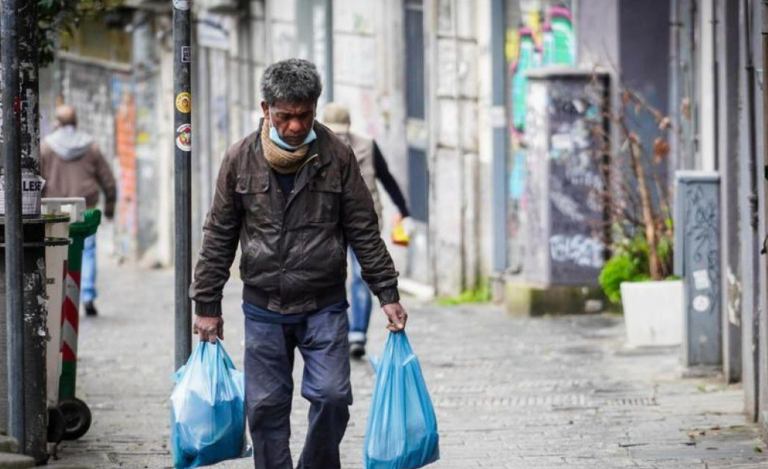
[(90, 309), (356, 350)]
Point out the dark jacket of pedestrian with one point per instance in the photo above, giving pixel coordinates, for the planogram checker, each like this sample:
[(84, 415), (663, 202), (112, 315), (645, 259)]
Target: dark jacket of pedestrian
[(294, 246), (73, 166)]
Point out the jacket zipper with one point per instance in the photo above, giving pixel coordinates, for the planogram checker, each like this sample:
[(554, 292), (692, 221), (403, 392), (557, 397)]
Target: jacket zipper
[(285, 210)]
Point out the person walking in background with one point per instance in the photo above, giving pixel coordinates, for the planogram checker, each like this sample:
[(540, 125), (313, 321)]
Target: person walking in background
[(72, 165), (373, 167)]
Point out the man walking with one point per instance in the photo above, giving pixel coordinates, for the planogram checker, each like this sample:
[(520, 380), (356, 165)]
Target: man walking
[(73, 166), (374, 168), (292, 194)]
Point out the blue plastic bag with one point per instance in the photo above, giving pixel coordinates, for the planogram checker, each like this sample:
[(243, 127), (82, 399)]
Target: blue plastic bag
[(402, 428), (207, 409)]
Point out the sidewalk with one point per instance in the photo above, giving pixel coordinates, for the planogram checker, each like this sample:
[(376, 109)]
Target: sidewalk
[(509, 393)]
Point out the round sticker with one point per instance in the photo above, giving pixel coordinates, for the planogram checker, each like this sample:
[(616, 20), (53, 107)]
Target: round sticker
[(701, 303), (181, 4), (184, 138), (184, 102)]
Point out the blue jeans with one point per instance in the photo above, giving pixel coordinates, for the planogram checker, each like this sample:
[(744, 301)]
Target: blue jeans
[(361, 304), (88, 271), (269, 357)]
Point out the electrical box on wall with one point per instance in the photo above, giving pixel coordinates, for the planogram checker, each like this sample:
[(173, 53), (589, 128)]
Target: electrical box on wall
[(697, 261), (564, 216)]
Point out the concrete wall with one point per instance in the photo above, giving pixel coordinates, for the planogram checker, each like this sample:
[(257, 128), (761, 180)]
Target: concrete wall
[(368, 78), (630, 40), (369, 74), (597, 23), (456, 168)]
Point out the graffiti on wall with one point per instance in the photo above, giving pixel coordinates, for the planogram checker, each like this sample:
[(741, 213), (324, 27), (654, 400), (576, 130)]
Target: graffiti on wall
[(545, 38), (537, 44), (563, 197), (576, 183), (125, 130)]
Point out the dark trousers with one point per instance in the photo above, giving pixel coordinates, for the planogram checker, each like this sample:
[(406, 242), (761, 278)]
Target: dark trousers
[(269, 356)]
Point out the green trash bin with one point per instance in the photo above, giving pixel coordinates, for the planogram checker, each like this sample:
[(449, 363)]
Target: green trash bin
[(76, 413)]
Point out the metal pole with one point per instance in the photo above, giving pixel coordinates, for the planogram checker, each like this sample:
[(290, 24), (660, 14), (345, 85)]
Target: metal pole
[(14, 259), (29, 85), (35, 389), (182, 58)]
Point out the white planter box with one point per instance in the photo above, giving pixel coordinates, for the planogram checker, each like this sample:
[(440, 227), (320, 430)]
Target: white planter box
[(653, 313)]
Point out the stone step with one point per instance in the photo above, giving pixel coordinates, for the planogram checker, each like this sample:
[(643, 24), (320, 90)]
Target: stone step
[(15, 461), (8, 444)]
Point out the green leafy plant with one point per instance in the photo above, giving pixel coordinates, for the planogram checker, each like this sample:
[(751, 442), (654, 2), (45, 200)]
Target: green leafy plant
[(619, 269), (480, 295), (631, 263), (637, 195)]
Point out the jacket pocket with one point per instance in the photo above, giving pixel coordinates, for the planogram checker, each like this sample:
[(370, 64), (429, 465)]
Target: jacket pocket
[(248, 261), (324, 200), (255, 196)]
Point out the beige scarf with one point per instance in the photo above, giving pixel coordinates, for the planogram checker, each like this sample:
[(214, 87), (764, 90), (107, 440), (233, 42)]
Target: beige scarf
[(279, 159)]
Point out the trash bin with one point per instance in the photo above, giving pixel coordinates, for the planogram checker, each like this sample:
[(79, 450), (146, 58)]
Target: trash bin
[(76, 413), (66, 211), (36, 414)]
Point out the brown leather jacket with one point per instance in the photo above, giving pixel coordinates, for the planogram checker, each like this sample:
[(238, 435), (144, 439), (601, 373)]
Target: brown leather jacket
[(294, 249), (79, 177)]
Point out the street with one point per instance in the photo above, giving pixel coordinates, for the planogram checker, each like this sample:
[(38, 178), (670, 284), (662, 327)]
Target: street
[(509, 393)]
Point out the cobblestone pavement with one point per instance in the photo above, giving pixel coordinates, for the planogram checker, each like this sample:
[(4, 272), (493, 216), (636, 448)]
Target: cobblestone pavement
[(509, 393)]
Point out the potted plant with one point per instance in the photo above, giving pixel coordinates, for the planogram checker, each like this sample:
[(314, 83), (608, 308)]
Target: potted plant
[(639, 271)]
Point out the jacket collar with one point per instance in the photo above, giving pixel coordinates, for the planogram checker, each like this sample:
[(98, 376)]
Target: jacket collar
[(320, 147)]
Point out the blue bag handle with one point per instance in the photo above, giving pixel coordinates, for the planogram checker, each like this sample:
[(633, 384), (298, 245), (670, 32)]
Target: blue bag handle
[(197, 355)]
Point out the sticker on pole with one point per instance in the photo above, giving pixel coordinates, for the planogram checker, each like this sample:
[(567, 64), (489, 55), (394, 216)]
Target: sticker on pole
[(186, 54), (184, 102), (31, 193), (182, 4), (184, 138), (701, 303)]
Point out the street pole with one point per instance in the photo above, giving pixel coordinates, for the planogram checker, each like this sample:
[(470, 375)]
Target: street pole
[(30, 109), (35, 311), (182, 58), (14, 260)]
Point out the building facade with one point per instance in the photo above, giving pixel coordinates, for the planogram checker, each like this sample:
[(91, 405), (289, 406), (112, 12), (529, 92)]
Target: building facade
[(442, 85)]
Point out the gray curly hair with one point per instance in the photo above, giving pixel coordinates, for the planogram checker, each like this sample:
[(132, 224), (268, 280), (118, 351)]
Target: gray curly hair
[(292, 80)]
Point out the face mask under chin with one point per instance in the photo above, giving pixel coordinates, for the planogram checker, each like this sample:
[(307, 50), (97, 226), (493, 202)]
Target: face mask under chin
[(275, 137)]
